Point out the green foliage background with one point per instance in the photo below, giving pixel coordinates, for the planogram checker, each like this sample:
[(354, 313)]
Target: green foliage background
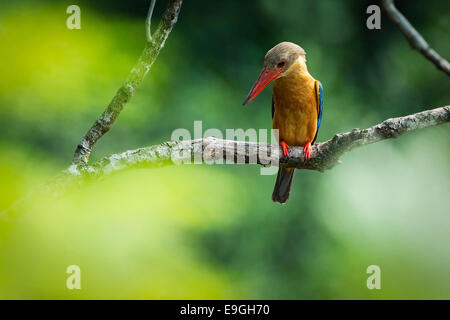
[(212, 231)]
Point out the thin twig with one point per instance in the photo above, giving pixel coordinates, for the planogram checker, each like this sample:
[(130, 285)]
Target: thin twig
[(148, 21), (414, 38)]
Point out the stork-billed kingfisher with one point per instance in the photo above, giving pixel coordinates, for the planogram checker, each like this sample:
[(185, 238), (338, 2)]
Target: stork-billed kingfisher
[(297, 105)]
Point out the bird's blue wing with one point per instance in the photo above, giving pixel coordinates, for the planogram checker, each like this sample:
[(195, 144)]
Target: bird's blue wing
[(319, 101)]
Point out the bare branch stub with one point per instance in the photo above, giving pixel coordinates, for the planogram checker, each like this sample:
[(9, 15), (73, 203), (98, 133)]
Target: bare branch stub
[(106, 120), (414, 38)]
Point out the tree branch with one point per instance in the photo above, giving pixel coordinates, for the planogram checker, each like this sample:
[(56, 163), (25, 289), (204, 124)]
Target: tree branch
[(414, 38), (324, 155), (104, 123)]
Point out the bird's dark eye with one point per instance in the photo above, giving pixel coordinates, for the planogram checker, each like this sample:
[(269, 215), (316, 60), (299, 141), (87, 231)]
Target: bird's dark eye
[(281, 64)]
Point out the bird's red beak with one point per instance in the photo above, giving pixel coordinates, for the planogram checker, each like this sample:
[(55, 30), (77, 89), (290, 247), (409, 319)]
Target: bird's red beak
[(263, 80)]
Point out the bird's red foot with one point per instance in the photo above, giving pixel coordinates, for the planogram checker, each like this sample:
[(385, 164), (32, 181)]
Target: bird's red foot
[(285, 148), (307, 150)]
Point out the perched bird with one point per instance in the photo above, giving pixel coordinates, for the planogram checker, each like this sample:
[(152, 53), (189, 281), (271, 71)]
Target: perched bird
[(297, 105)]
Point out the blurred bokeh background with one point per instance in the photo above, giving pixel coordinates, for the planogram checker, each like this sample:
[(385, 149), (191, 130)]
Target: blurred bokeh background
[(200, 231)]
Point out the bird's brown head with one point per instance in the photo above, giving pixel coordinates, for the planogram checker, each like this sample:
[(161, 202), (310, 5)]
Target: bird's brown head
[(277, 63)]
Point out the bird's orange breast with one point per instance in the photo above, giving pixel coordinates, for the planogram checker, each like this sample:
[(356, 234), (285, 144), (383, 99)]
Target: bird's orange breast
[(295, 108)]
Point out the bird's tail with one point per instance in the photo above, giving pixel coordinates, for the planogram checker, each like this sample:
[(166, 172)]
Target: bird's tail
[(283, 185)]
